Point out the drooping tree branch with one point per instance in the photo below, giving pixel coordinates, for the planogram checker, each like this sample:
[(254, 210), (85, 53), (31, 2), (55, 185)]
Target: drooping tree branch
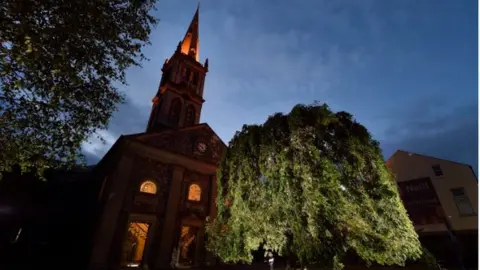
[(311, 184)]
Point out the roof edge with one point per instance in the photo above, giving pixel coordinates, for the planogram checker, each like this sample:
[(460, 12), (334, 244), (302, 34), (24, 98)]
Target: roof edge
[(413, 153)]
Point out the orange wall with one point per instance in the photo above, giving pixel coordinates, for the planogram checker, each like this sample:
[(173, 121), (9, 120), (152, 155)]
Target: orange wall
[(407, 166)]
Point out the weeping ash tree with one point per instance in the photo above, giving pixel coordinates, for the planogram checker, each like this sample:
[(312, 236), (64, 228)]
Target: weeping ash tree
[(311, 185)]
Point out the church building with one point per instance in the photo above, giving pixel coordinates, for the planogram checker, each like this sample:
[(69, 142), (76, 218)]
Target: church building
[(157, 188)]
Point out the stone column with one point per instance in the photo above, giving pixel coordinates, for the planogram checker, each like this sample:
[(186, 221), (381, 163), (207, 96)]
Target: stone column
[(213, 196), (108, 221), (166, 241), (200, 247)]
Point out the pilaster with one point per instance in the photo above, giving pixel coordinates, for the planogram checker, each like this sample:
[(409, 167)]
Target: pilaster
[(169, 230), (111, 211)]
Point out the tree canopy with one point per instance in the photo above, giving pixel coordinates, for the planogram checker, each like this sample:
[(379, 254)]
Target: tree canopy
[(312, 184), (59, 62)]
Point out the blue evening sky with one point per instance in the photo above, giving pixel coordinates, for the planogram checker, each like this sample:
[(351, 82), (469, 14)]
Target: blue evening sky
[(407, 70)]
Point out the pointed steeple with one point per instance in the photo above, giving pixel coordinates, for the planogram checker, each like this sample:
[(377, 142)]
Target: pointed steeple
[(191, 42), (179, 99)]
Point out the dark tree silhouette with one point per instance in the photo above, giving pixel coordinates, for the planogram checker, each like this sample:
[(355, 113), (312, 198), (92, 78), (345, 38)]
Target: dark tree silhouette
[(58, 62)]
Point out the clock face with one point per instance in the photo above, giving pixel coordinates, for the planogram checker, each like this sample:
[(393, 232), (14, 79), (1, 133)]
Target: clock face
[(202, 147)]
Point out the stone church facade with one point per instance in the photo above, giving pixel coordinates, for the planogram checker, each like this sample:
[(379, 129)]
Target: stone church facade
[(157, 188)]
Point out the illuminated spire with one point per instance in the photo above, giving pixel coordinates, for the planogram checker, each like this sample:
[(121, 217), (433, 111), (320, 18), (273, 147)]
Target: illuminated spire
[(191, 42)]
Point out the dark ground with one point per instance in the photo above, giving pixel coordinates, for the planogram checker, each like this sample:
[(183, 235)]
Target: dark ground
[(264, 266)]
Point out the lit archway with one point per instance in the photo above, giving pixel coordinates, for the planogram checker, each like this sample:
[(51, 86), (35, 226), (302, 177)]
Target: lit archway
[(148, 187), (194, 193)]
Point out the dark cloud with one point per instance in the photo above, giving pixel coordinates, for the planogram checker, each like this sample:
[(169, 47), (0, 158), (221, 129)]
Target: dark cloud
[(128, 119), (91, 159), (452, 136), (364, 57)]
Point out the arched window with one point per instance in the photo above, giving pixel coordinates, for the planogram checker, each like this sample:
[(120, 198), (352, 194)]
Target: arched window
[(188, 74), (194, 193), (148, 187), (190, 116), (195, 78), (174, 112)]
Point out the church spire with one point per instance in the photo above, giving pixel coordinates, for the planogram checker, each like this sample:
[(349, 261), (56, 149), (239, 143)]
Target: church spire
[(179, 99), (191, 42)]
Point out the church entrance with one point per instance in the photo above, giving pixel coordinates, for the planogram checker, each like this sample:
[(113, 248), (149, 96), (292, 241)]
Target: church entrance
[(134, 244), (187, 245)]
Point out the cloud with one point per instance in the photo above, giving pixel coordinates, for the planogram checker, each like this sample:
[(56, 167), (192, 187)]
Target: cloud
[(429, 130), (128, 119), (98, 145), (254, 71), (365, 57)]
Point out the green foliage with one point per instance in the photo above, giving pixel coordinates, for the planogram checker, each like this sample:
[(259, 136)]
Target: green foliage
[(312, 184), (59, 60), (428, 260)]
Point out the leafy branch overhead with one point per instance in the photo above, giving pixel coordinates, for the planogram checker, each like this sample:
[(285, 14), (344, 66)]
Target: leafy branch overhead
[(59, 60), (311, 185)]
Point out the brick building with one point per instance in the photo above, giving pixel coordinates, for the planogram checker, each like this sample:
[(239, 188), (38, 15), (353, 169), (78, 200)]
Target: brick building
[(441, 198), (156, 188)]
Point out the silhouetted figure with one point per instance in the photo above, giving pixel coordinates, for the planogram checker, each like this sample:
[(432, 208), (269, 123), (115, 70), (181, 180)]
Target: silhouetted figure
[(269, 258), (174, 260)]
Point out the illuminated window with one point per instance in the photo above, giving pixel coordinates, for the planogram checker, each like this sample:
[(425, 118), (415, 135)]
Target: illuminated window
[(134, 244), (187, 245), (148, 187), (194, 193)]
